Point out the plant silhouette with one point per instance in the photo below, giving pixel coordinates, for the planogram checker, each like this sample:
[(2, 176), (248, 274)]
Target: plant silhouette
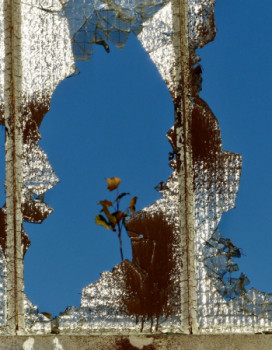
[(115, 220)]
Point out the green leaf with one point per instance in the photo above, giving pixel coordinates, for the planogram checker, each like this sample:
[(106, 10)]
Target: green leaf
[(100, 220)]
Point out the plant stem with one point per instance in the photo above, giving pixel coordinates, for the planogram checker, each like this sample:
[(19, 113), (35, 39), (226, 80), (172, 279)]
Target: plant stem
[(119, 229), (120, 241)]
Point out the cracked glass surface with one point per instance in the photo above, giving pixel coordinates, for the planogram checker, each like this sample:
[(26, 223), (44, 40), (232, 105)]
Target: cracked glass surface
[(96, 22), (141, 294), (224, 303), (137, 295)]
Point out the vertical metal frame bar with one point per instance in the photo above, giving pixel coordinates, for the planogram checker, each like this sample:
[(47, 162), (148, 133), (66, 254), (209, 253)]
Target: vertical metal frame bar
[(183, 115), (13, 182)]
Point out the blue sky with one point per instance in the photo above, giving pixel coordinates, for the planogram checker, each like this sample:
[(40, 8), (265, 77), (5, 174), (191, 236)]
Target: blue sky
[(111, 120)]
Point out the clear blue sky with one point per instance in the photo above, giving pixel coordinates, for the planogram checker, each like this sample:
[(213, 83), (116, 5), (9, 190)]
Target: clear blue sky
[(111, 120)]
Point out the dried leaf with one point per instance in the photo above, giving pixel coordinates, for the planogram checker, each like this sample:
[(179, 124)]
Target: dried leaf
[(113, 183), (132, 204), (105, 210), (105, 203), (121, 196), (100, 220), (119, 215), (110, 217)]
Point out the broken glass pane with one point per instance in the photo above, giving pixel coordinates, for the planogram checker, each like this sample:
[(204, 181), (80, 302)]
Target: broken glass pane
[(117, 301), (182, 274), (224, 303), (140, 294), (96, 22)]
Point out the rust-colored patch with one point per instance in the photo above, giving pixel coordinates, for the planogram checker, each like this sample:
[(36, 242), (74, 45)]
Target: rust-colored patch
[(3, 233), (209, 159), (124, 344), (206, 139), (34, 211), (36, 108), (196, 79), (30, 131), (148, 284)]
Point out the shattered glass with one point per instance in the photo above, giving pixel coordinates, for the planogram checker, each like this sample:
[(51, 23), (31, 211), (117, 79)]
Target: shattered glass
[(183, 276), (224, 303), (140, 294), (96, 22)]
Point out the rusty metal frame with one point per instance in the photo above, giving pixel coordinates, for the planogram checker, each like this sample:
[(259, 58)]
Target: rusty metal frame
[(13, 183)]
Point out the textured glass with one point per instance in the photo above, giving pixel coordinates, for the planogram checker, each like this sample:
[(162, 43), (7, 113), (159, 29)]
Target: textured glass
[(223, 302), (113, 302), (142, 294), (183, 274), (96, 22)]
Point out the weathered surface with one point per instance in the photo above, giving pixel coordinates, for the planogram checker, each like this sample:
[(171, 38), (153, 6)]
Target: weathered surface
[(13, 182), (162, 342)]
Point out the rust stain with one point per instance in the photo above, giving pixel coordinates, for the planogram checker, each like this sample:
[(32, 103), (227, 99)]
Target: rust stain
[(33, 112), (188, 123), (34, 213), (148, 285), (31, 132), (3, 230), (207, 149), (204, 128), (206, 138), (37, 108)]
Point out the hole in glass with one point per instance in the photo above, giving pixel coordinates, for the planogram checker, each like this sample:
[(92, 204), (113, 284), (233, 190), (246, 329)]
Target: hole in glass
[(237, 87), (111, 120)]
